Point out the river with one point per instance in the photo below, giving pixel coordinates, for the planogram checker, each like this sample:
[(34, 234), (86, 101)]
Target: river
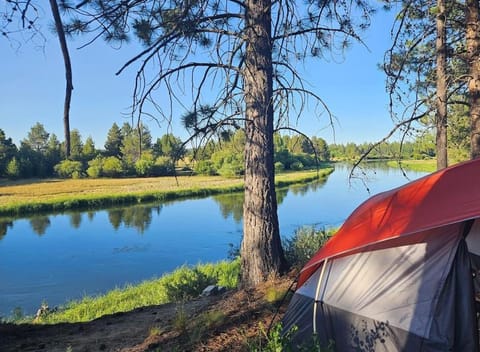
[(59, 257)]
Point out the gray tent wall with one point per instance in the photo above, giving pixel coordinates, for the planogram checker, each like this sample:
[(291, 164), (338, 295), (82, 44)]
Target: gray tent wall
[(413, 297)]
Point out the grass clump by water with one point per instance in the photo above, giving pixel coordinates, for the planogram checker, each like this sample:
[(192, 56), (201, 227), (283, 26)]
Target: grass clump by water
[(183, 283), (429, 165), (304, 244)]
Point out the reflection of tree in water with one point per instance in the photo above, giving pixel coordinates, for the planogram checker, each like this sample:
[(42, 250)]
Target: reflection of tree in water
[(4, 225), (231, 204), (39, 224), (303, 189), (91, 215), (75, 220), (115, 217), (138, 217), (281, 194)]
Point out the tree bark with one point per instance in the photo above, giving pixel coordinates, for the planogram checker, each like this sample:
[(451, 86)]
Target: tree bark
[(261, 251), (441, 100), (68, 74), (473, 46)]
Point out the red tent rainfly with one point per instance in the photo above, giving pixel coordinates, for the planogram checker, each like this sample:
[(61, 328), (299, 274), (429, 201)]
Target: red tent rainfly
[(419, 239)]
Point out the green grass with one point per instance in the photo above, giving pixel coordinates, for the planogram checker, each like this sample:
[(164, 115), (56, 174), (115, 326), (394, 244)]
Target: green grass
[(183, 283), (22, 198), (429, 165)]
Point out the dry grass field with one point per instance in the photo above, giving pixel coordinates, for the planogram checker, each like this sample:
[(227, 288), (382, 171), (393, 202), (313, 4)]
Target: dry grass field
[(59, 194)]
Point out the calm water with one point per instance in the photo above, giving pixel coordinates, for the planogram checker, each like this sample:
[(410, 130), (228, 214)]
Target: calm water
[(59, 257)]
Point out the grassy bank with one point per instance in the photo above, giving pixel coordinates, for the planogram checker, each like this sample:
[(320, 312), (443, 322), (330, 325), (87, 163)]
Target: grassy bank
[(182, 284), (26, 197), (416, 165)]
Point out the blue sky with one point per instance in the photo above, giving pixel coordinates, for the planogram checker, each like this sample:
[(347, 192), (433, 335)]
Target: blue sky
[(33, 84)]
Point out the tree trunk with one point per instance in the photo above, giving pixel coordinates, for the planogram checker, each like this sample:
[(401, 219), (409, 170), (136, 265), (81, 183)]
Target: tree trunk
[(261, 250), (473, 46), (68, 74), (441, 101)]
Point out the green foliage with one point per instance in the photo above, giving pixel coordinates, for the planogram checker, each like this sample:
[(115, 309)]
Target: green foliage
[(112, 167), (273, 340), (163, 166), (13, 169), (304, 244), (169, 146), (277, 340), (8, 151), (69, 169), (95, 167), (144, 166), (76, 145), (296, 166), (114, 141), (88, 150), (182, 284), (37, 138), (279, 167), (205, 167)]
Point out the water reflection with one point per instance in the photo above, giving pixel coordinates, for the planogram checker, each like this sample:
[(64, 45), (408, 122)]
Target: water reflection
[(139, 217), (4, 225), (76, 220), (39, 224)]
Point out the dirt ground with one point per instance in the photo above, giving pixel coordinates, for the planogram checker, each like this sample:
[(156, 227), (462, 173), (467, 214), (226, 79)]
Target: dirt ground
[(230, 322)]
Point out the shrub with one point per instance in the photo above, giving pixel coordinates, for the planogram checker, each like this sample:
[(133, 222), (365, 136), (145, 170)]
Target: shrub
[(296, 166), (304, 244), (112, 167), (279, 167), (13, 169), (69, 169), (145, 165), (95, 167), (205, 167), (163, 166)]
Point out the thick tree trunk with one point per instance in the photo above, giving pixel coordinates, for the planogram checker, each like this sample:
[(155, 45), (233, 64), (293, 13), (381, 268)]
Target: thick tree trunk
[(441, 101), (68, 74), (261, 250), (473, 46)]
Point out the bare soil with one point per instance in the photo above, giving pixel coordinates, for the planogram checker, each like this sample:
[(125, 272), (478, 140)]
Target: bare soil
[(230, 322)]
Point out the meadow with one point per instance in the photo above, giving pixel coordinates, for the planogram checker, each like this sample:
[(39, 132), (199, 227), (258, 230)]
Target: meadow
[(32, 196)]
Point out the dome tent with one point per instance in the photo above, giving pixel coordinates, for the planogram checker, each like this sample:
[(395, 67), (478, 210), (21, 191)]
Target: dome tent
[(397, 276)]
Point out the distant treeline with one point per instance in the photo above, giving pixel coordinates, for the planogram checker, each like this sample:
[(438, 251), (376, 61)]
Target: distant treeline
[(133, 152)]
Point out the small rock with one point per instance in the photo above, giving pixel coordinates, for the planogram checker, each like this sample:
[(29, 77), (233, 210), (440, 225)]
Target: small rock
[(213, 290)]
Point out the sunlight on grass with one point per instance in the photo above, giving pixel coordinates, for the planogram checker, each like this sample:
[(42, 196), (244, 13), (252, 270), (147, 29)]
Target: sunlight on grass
[(20, 198), (184, 283)]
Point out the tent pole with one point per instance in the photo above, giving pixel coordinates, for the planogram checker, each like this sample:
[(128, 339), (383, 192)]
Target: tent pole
[(317, 291)]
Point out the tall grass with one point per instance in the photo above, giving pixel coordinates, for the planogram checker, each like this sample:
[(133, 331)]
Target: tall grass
[(21, 198), (416, 165), (184, 283)]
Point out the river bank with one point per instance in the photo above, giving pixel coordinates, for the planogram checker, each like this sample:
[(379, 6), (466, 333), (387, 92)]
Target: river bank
[(34, 196)]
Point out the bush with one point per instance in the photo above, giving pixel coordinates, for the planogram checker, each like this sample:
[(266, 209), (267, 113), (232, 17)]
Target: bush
[(112, 167), (296, 166), (95, 167), (205, 167), (163, 166), (304, 244), (145, 165), (279, 167), (13, 169), (69, 169)]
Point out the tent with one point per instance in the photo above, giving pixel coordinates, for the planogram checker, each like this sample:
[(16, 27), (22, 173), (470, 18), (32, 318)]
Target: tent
[(400, 273)]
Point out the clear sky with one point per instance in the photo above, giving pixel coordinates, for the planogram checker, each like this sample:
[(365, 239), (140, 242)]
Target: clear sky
[(32, 90)]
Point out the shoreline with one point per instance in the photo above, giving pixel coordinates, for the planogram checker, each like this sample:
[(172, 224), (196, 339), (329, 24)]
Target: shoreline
[(57, 195)]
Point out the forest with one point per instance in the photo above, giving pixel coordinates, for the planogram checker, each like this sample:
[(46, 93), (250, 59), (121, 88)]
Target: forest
[(126, 153)]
